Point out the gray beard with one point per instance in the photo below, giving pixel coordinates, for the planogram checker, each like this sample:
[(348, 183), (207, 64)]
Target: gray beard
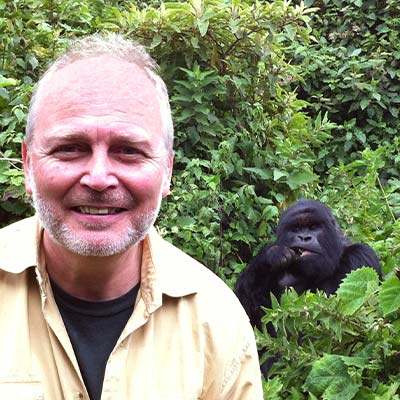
[(63, 235)]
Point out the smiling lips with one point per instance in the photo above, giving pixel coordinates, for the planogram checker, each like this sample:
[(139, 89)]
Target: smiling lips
[(98, 211)]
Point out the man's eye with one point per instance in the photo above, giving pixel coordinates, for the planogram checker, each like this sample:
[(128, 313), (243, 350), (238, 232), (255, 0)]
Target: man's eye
[(68, 151), (127, 151), (69, 148)]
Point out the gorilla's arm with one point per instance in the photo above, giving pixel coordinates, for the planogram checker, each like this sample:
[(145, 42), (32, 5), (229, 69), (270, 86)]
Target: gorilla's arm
[(255, 283), (360, 255), (353, 257)]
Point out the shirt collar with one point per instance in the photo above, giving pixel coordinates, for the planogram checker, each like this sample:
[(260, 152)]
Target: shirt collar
[(19, 244), (165, 269)]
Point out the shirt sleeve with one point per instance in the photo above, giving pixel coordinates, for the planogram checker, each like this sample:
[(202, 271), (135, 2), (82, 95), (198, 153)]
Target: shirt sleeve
[(242, 378)]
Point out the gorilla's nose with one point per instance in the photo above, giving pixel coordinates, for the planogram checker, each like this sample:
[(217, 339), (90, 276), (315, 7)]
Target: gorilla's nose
[(305, 238)]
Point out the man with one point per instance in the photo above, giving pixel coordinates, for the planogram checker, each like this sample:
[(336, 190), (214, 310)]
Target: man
[(94, 304)]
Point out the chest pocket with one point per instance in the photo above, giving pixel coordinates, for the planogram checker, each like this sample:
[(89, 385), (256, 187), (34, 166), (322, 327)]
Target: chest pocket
[(16, 389)]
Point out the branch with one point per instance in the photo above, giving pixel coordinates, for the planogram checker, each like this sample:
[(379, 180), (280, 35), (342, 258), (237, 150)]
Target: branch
[(12, 161)]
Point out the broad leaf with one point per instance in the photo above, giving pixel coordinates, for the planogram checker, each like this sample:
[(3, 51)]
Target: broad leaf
[(261, 173), (301, 178), (389, 295), (330, 379), (356, 289)]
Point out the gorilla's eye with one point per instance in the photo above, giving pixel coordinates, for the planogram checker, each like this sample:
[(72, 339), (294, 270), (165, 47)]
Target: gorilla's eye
[(314, 226)]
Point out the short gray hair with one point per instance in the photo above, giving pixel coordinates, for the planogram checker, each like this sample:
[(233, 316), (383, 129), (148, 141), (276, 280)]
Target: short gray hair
[(116, 46)]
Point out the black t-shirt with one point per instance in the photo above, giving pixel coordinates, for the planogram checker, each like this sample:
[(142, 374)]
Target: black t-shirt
[(94, 328)]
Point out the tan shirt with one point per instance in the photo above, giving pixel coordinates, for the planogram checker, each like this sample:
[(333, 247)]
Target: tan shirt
[(188, 337)]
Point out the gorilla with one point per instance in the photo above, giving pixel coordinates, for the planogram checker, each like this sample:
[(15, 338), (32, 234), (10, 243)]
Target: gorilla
[(310, 253)]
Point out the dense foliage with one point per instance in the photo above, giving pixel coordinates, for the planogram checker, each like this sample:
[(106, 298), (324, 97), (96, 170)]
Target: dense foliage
[(272, 101), (352, 71), (349, 342)]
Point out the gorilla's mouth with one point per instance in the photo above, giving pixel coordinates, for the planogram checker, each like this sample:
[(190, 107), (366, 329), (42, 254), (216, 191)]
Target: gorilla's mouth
[(301, 252)]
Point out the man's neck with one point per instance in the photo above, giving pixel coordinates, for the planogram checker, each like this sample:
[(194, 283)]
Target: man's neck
[(92, 278)]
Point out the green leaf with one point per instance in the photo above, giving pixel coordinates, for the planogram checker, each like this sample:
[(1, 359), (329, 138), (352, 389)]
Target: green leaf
[(185, 221), (356, 289), (291, 31), (7, 81), (329, 378), (212, 181), (34, 62), (376, 96), (389, 295), (273, 387), (19, 114), (278, 174), (203, 26), (297, 179), (269, 212), (156, 41), (4, 94), (197, 7), (195, 42), (355, 53), (360, 362), (364, 103), (261, 173)]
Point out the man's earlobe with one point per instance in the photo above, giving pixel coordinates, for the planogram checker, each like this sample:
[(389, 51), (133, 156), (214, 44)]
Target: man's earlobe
[(27, 167), (166, 184)]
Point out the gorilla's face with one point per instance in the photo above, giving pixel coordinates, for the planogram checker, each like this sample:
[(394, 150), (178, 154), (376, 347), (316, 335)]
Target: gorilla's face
[(309, 228)]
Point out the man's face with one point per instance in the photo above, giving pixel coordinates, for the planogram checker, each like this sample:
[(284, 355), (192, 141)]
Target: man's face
[(97, 166)]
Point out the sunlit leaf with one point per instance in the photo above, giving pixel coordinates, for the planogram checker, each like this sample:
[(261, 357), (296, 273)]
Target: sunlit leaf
[(389, 295), (330, 379), (356, 289)]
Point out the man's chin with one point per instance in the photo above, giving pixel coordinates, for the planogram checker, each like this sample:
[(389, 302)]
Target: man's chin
[(98, 246), (96, 241)]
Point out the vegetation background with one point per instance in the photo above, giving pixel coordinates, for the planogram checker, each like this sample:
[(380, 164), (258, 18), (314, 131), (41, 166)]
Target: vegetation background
[(272, 101)]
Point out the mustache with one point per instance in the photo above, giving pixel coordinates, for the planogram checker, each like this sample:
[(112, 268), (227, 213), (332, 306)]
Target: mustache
[(92, 197)]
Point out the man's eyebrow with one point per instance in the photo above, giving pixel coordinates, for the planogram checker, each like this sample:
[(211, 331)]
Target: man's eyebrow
[(140, 136), (67, 136), (133, 134)]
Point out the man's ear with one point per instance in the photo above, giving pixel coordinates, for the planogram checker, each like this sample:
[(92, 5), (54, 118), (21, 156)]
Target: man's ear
[(27, 167), (168, 175)]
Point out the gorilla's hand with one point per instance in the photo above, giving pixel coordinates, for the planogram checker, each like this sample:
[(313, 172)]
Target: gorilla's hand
[(280, 257)]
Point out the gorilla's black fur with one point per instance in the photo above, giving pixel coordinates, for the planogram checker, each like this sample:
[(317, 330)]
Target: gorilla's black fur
[(310, 252)]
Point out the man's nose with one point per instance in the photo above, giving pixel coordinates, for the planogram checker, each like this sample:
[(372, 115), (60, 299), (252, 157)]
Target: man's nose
[(99, 174)]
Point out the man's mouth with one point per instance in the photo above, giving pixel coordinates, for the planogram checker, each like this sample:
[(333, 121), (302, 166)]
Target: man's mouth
[(98, 211)]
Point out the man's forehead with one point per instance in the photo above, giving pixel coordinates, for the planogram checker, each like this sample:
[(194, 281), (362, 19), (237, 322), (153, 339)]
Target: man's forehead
[(97, 74), (98, 92)]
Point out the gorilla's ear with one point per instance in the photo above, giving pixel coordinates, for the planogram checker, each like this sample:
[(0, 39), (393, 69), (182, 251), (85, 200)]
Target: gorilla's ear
[(345, 241), (335, 223)]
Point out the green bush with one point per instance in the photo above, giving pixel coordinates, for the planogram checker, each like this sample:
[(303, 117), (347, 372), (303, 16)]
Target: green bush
[(272, 101), (350, 342), (352, 72)]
